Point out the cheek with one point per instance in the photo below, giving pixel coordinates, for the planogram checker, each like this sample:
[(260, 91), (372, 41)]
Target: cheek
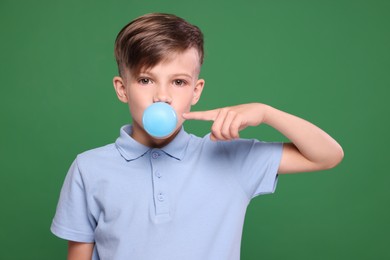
[(137, 107), (183, 103), (182, 106), (139, 99)]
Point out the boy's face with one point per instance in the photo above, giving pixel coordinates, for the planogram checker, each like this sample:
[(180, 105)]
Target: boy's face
[(174, 81)]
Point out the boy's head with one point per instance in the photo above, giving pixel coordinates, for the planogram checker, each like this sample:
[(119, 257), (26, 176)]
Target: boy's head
[(159, 58), (153, 38)]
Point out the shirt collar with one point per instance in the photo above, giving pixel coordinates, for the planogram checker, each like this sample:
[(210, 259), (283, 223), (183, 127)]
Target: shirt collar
[(130, 149)]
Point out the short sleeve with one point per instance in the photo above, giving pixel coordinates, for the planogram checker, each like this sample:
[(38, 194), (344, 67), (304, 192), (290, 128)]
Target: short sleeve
[(256, 164), (73, 220)]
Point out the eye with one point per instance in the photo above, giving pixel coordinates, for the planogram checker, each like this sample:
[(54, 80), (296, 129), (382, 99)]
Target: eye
[(144, 81), (179, 82)]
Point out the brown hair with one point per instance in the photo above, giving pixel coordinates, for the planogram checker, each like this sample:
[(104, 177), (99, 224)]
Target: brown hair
[(151, 38)]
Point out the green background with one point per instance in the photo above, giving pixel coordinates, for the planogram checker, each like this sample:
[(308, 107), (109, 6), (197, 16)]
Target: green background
[(325, 61)]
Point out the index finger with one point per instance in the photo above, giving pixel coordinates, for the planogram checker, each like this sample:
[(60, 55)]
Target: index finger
[(209, 115)]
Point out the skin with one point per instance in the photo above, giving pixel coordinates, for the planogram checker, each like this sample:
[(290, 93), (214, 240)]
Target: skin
[(175, 81), (80, 251)]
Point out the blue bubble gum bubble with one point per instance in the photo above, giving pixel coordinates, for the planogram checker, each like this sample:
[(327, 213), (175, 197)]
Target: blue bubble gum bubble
[(159, 120)]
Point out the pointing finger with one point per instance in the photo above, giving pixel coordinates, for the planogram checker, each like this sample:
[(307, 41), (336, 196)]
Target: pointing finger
[(209, 115)]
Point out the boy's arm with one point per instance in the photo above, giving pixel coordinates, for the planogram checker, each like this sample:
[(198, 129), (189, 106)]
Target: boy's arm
[(80, 251), (311, 149)]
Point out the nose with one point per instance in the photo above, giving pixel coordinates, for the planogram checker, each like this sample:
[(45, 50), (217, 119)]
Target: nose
[(162, 95)]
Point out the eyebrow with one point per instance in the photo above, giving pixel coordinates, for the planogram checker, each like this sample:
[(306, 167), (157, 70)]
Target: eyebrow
[(182, 75), (146, 73)]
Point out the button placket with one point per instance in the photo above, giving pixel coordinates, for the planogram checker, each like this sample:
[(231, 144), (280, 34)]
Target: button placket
[(160, 199)]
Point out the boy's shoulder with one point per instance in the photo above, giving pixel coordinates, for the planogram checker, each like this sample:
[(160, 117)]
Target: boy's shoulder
[(102, 153)]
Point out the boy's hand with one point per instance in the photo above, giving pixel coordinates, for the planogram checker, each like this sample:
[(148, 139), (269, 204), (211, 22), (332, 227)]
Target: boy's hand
[(229, 121)]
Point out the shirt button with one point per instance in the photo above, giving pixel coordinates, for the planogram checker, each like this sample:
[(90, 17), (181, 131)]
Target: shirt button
[(158, 174), (160, 197), (155, 155)]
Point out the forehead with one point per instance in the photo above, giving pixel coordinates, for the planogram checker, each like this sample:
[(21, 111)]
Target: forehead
[(187, 61)]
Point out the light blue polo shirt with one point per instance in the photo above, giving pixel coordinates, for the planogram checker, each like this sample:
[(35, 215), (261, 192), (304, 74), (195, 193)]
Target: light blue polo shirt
[(186, 200)]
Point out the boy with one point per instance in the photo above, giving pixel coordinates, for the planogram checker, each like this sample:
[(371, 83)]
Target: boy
[(181, 196)]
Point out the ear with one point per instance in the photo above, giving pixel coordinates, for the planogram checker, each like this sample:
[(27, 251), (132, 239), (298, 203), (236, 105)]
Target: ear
[(120, 89), (197, 91)]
